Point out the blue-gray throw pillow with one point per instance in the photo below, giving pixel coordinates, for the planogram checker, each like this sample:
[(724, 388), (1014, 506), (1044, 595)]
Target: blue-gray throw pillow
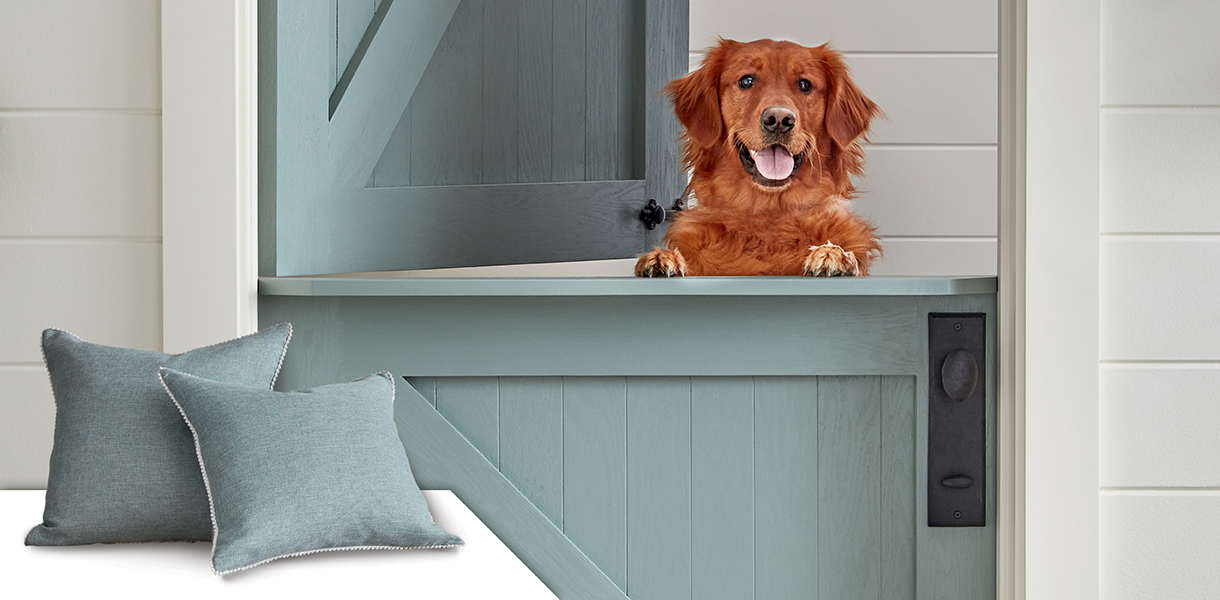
[(291, 473), (123, 465)]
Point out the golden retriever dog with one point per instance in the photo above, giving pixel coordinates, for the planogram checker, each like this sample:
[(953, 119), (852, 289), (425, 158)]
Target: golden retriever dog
[(772, 134)]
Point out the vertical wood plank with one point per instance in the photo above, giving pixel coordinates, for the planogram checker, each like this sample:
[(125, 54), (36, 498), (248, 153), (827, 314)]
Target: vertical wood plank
[(531, 440), (786, 487), (630, 49), (501, 75), (722, 488), (332, 45), (604, 22), (568, 96), (448, 104), (849, 487), (666, 39), (426, 386), (595, 471), (658, 488), (472, 405), (898, 488), (535, 89)]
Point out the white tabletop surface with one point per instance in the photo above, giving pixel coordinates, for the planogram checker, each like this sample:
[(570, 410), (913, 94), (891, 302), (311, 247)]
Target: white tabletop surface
[(483, 568)]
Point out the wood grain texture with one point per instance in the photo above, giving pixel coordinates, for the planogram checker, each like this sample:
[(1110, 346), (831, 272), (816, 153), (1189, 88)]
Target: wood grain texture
[(901, 489), (446, 108), (500, 123), (595, 471), (426, 387), (722, 488), (535, 89), (568, 91), (666, 38), (442, 459), (381, 87), (602, 118), (659, 488), (786, 487), (849, 487), (531, 440), (473, 406)]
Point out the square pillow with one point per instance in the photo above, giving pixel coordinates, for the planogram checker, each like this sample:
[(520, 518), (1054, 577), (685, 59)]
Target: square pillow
[(291, 473), (123, 465)]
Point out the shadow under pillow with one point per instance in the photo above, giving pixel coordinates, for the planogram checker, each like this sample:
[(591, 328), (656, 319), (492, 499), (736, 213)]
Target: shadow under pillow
[(123, 466), (292, 473)]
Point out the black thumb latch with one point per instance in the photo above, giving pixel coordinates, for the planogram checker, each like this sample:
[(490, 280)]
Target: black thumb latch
[(652, 214)]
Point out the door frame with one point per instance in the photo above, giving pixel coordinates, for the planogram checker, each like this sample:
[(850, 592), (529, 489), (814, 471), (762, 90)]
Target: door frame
[(1049, 70)]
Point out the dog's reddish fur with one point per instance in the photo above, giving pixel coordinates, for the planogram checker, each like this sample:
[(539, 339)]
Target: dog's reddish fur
[(742, 227)]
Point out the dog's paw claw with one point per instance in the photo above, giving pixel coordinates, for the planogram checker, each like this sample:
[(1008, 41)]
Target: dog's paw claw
[(829, 260), (661, 263)]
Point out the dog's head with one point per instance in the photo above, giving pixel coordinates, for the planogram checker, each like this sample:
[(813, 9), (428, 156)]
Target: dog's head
[(790, 115)]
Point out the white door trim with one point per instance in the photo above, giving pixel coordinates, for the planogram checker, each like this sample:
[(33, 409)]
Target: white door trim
[(209, 98), (1049, 137), (1050, 66)]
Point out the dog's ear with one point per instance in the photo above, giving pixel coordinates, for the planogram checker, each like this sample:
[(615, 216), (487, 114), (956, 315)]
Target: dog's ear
[(696, 98), (848, 111)]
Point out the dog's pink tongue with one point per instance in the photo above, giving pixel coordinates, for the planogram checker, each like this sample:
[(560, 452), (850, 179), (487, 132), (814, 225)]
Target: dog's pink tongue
[(774, 163)]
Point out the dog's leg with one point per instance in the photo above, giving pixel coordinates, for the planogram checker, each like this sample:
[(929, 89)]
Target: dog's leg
[(829, 260), (661, 262)]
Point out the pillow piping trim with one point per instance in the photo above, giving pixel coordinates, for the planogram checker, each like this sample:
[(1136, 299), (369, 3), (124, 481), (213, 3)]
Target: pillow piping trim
[(212, 507), (207, 485)]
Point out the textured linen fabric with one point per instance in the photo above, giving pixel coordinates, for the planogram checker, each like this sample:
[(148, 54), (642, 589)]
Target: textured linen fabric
[(123, 466), (292, 473)]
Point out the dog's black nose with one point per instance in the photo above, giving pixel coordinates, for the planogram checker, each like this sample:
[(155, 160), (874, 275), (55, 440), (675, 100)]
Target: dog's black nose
[(778, 119)]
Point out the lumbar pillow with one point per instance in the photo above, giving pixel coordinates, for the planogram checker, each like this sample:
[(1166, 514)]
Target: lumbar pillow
[(291, 473), (123, 467)]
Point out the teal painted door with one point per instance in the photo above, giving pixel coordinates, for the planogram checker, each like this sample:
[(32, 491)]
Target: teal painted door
[(727, 487), (405, 135)]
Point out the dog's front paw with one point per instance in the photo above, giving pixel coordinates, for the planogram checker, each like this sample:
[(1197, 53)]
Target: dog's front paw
[(661, 263), (829, 260)]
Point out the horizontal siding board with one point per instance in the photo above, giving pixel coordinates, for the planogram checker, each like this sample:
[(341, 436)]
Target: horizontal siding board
[(105, 292), (1158, 545), (27, 426), (866, 25), (929, 191), (931, 100), (1158, 52), (936, 257), (1158, 298), (1158, 426), (80, 175), (1160, 171), (100, 54)]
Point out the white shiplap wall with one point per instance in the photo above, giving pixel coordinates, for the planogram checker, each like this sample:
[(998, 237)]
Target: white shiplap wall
[(1160, 268), (80, 198), (930, 176)]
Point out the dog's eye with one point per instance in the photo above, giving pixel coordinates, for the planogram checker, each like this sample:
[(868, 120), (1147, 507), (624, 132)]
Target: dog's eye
[(805, 86), (746, 82)]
